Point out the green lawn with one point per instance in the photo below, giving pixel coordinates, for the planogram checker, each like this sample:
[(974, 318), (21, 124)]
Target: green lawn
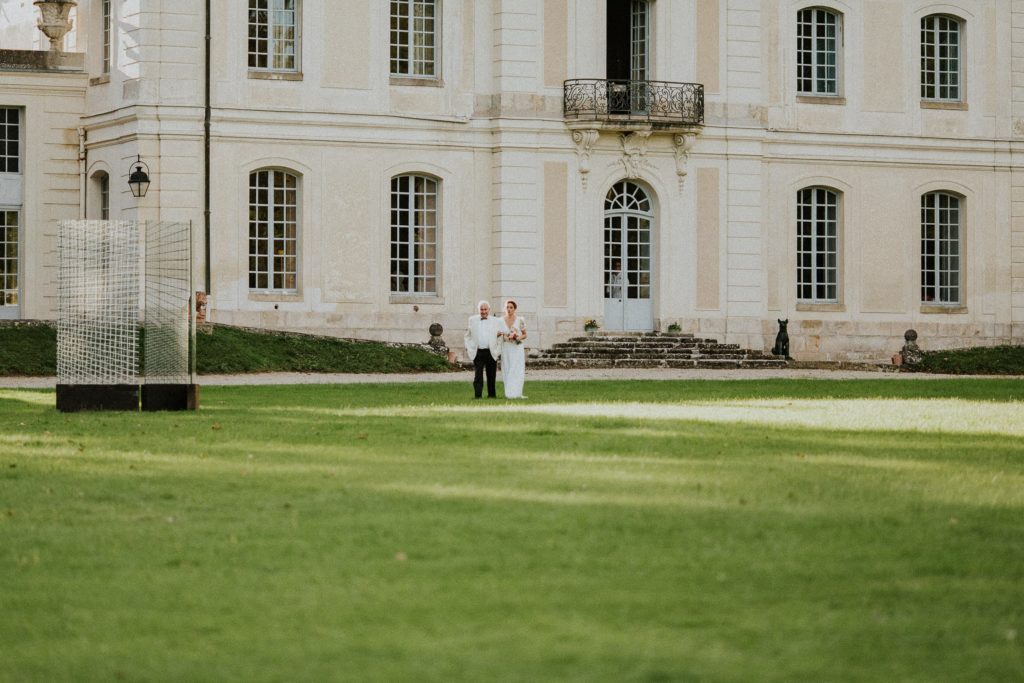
[(780, 530)]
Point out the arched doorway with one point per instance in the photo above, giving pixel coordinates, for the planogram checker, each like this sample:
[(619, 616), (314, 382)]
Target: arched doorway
[(628, 222)]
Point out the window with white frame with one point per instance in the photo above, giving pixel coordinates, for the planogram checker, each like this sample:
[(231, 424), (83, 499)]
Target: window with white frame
[(9, 224), (940, 248), (273, 35), (817, 245), (819, 39), (940, 58), (273, 230), (414, 38), (639, 30), (10, 140), (10, 216), (108, 29), (414, 226), (104, 183)]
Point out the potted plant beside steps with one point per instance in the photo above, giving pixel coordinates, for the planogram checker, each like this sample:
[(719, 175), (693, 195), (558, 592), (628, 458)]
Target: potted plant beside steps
[(590, 327)]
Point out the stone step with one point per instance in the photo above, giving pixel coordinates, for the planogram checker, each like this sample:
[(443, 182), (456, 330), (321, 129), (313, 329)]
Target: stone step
[(585, 363), (650, 350)]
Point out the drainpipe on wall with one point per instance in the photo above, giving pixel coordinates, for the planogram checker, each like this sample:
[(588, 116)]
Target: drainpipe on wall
[(81, 172), (206, 159)]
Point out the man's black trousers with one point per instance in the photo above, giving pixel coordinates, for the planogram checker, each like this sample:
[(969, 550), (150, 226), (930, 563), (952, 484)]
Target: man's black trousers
[(484, 361)]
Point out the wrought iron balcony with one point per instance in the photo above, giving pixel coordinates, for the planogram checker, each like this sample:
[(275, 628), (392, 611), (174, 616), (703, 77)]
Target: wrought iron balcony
[(613, 101)]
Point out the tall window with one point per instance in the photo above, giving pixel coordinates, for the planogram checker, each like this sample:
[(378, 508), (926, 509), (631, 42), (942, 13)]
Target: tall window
[(273, 230), (413, 235), (940, 248), (10, 140), (940, 58), (817, 51), (107, 32), (273, 37), (103, 195), (817, 245), (413, 38), (10, 217), (638, 29), (8, 257)]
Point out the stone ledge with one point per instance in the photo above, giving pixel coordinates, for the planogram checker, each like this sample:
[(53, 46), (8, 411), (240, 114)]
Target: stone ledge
[(41, 60)]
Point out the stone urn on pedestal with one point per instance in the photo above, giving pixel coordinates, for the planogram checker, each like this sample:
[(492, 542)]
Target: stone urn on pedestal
[(54, 21)]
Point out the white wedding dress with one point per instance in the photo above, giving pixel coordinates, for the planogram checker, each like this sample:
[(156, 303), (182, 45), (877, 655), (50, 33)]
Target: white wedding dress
[(513, 361)]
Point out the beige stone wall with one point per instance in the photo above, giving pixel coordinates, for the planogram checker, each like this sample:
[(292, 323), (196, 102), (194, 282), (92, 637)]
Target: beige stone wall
[(520, 219), (51, 104)]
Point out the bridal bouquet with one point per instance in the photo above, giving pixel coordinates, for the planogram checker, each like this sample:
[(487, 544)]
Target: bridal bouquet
[(513, 336)]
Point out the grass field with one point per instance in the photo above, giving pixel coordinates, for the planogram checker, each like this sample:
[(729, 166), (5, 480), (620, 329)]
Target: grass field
[(783, 530)]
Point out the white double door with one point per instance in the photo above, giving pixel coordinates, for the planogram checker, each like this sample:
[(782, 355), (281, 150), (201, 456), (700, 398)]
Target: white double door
[(627, 271)]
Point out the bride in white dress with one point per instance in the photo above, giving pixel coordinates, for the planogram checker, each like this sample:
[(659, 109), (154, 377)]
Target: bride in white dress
[(513, 353)]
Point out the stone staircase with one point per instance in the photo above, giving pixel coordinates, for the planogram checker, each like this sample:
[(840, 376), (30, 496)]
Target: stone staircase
[(649, 350)]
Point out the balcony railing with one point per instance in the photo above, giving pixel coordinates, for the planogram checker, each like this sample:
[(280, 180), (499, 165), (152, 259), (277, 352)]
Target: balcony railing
[(634, 101)]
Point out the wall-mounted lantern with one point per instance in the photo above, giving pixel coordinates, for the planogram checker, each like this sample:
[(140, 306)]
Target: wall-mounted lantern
[(138, 180)]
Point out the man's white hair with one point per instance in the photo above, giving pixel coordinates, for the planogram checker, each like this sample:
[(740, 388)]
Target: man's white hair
[(483, 302)]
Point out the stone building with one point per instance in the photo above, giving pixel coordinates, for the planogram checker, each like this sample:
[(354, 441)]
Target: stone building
[(375, 166)]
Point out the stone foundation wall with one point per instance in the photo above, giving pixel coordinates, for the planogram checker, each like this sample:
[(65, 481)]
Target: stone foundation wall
[(809, 340)]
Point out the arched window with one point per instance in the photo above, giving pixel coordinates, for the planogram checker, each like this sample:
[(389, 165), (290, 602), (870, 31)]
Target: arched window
[(273, 35), (940, 58), (273, 230), (414, 232), (818, 41), (99, 196), (628, 221), (940, 248), (817, 245)]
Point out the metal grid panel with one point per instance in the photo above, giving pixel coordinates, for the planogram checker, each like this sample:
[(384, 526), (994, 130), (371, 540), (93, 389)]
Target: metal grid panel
[(940, 248), (168, 297), (98, 287)]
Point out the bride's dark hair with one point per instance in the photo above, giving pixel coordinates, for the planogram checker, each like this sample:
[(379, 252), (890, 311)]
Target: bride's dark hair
[(514, 304)]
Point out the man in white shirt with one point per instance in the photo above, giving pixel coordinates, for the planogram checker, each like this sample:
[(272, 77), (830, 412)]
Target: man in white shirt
[(483, 346)]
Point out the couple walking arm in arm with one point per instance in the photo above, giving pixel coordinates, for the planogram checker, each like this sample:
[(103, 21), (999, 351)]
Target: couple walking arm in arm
[(488, 338)]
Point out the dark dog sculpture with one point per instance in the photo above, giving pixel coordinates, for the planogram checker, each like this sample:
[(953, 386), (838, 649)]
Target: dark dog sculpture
[(781, 347)]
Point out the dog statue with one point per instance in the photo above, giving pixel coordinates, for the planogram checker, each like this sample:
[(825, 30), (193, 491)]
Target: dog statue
[(781, 347)]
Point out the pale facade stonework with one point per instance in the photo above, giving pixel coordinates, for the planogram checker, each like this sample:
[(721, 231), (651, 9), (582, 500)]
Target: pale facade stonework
[(521, 199)]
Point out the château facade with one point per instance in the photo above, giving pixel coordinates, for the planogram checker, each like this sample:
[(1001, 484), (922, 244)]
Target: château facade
[(376, 166)]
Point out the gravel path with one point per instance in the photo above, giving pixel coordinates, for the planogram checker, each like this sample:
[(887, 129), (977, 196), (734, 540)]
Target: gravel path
[(532, 375)]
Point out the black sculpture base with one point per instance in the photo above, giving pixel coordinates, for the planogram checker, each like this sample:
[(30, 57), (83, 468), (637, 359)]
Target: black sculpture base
[(72, 398), (170, 396)]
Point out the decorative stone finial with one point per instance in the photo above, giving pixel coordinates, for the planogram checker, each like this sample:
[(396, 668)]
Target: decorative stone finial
[(910, 354), (436, 342), (54, 21)]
